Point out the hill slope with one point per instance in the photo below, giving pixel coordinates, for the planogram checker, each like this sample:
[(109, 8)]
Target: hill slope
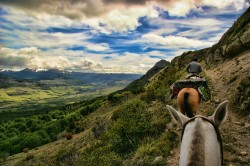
[(134, 128)]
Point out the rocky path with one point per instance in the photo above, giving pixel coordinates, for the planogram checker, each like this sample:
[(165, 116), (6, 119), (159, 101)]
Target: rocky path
[(236, 130)]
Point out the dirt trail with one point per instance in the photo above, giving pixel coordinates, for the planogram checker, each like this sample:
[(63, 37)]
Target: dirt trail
[(236, 130)]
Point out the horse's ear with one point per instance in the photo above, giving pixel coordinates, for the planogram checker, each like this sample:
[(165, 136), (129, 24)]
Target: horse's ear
[(220, 114), (177, 116)]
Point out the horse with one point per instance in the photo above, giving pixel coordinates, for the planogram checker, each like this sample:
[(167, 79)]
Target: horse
[(188, 100), (201, 143)]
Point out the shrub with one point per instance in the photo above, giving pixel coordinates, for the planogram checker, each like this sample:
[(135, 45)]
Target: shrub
[(52, 128), (5, 146), (2, 136), (67, 156), (16, 149), (131, 123), (35, 127), (20, 125), (32, 140), (241, 98), (30, 156), (26, 150), (3, 156), (63, 124), (46, 117), (68, 136), (155, 151), (2, 129), (101, 155)]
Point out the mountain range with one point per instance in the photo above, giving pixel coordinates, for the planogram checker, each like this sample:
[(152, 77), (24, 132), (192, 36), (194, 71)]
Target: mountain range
[(102, 78)]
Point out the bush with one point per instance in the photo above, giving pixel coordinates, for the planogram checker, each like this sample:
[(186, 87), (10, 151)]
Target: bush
[(32, 140), (52, 128), (45, 136), (20, 125), (131, 123), (35, 127), (101, 155), (30, 156), (5, 146), (67, 156), (26, 150), (68, 136), (3, 156), (46, 117), (90, 108), (63, 124), (3, 136), (155, 151), (241, 98)]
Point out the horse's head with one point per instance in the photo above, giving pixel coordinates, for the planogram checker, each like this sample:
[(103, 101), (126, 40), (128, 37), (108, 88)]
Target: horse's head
[(201, 142), (217, 118)]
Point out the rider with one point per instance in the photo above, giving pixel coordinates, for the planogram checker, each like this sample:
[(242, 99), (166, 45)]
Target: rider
[(193, 68)]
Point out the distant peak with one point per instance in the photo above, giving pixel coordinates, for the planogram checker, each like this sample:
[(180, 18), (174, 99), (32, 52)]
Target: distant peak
[(28, 69), (161, 64)]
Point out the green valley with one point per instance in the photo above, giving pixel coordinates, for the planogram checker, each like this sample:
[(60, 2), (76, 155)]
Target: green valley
[(22, 97)]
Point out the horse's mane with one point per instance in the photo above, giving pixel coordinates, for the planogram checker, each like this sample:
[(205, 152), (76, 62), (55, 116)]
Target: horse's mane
[(197, 157)]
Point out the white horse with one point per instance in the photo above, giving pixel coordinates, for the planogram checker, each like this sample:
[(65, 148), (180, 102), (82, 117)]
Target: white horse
[(201, 143)]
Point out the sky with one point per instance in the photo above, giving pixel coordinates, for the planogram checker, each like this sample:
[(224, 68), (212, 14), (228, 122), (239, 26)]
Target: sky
[(117, 36)]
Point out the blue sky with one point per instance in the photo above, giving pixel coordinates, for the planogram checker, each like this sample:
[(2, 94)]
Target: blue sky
[(121, 36)]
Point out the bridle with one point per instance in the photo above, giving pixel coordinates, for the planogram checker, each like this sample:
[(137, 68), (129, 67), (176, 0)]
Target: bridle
[(215, 128)]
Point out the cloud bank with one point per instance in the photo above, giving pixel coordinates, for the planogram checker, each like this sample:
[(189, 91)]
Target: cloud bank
[(108, 35), (77, 9)]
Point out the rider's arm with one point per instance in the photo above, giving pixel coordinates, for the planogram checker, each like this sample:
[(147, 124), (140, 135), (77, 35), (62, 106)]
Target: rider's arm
[(200, 69)]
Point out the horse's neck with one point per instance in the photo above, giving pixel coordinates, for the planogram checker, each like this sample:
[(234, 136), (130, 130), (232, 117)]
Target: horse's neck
[(200, 146)]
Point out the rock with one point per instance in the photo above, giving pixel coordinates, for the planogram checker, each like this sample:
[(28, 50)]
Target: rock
[(247, 125), (243, 153), (158, 159), (233, 42), (240, 158), (216, 101), (234, 48), (245, 38)]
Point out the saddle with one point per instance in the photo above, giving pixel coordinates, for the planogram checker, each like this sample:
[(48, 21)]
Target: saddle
[(193, 81)]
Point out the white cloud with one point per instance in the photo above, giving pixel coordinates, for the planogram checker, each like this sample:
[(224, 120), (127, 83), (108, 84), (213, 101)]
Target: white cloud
[(125, 19), (97, 47), (238, 4), (175, 41), (183, 7), (32, 57)]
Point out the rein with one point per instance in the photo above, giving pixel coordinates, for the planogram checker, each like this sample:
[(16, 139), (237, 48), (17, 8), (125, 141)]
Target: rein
[(216, 130)]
